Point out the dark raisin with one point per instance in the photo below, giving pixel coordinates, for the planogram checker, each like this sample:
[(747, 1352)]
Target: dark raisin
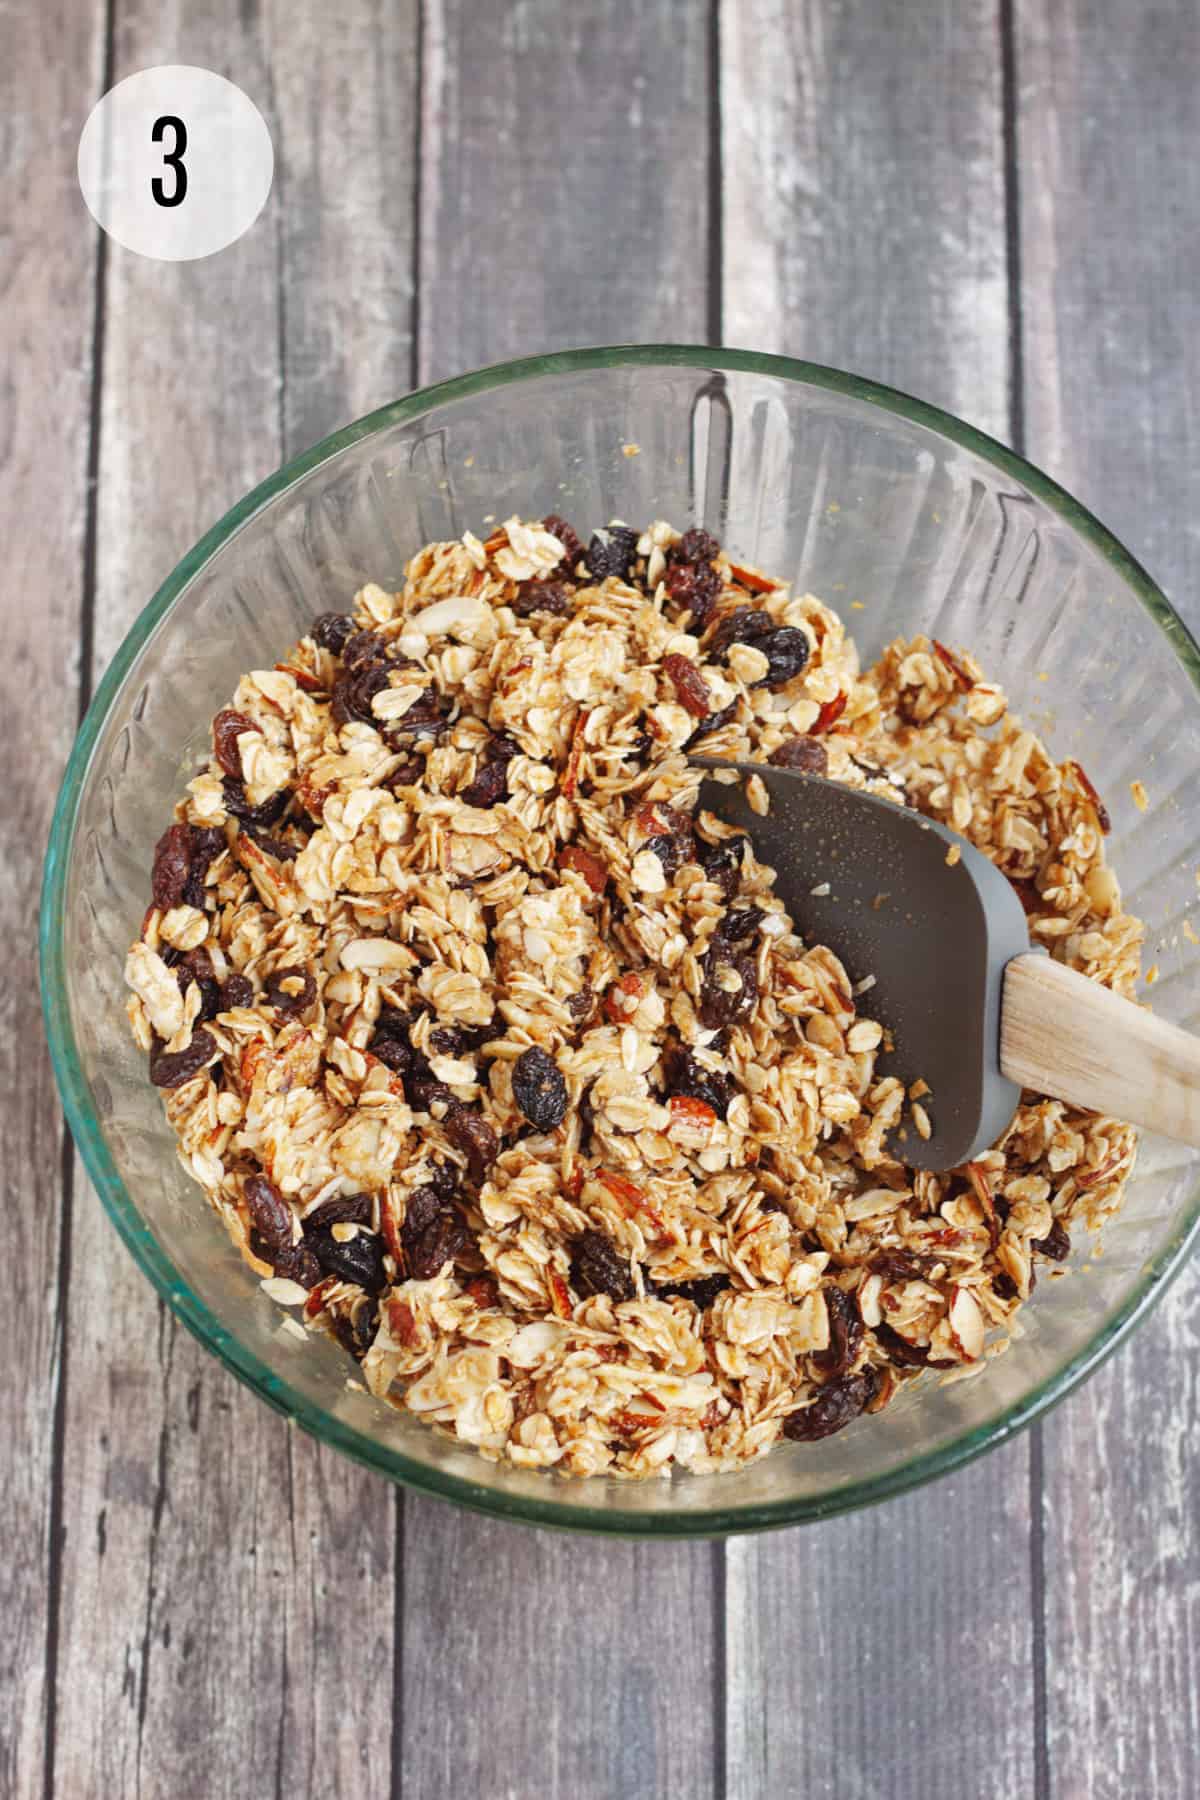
[(587, 1115), (744, 625), (539, 1089), (392, 1042), (671, 850), (837, 1404), (332, 631), (363, 648), (458, 1040), (354, 692), (1005, 1287), (572, 548), (903, 1353), (597, 1267), (722, 863), (424, 1092), (207, 845), (845, 1333), (541, 596), (359, 1259), (740, 924), (489, 787), (170, 1069), (355, 1330), (296, 1262), (612, 552), (896, 1265), (701, 1292), (694, 588), (696, 546), (787, 652), (260, 817), (172, 865), (227, 727), (407, 775), (236, 990), (1056, 1244), (269, 1211), (197, 966), (807, 754), (714, 722), (685, 1076), (434, 1233), (581, 1006), (277, 847), (720, 1005), (287, 999), (343, 1209), (427, 717), (470, 1132)]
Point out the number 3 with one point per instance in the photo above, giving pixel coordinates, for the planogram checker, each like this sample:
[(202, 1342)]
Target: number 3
[(172, 159)]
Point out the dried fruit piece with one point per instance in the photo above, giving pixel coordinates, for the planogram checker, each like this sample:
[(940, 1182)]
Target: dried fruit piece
[(434, 1233), (470, 1132), (170, 1069), (695, 589), (572, 548), (597, 1267), (343, 1209), (296, 1262), (611, 553), (845, 1333), (696, 546), (691, 689), (539, 1089), (1056, 1244), (358, 1259), (354, 692), (722, 863), (838, 1403), (701, 1292), (291, 991), (905, 1353), (541, 596), (730, 990), (172, 864), (236, 990), (897, 1266), (332, 631), (196, 966), (684, 1077), (489, 787), (227, 727), (269, 1212), (807, 754), (267, 814)]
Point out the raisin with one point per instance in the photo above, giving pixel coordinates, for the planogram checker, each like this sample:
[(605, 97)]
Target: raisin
[(1005, 1287), (837, 1404), (459, 1040), (807, 754), (470, 1132), (903, 1353), (722, 863), (694, 589), (277, 847), (283, 999), (197, 966), (424, 1091), (332, 630), (539, 1089), (170, 1069), (434, 1233), (714, 722), (787, 652), (740, 924), (227, 727), (1056, 1244), (581, 1006), (683, 1075), (427, 717), (343, 1209), (672, 851), (896, 1265), (296, 1262), (701, 1292), (597, 1267), (489, 787), (269, 1212), (354, 692), (727, 1006), (407, 775), (696, 546), (612, 552), (744, 625), (172, 865), (358, 1260), (207, 844), (691, 689), (362, 648), (541, 596), (355, 1331), (845, 1333), (392, 1043), (572, 548), (236, 990), (587, 1114), (261, 817)]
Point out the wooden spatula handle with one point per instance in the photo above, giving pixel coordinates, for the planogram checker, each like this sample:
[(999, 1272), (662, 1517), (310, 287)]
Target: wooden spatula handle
[(1064, 1035)]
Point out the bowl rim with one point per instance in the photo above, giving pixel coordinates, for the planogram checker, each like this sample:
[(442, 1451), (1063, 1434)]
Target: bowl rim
[(146, 1251)]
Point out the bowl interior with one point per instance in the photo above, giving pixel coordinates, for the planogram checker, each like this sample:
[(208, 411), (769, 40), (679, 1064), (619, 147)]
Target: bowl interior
[(895, 515)]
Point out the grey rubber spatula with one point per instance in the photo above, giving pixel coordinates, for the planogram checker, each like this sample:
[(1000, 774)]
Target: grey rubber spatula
[(972, 1009)]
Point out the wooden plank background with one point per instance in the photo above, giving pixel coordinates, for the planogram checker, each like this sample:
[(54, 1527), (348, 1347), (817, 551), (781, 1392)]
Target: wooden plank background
[(996, 206)]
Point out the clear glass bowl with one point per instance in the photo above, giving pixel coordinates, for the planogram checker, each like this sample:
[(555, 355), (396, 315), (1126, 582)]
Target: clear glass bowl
[(852, 491)]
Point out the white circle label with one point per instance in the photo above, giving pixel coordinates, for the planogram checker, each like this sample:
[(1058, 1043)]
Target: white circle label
[(175, 162)]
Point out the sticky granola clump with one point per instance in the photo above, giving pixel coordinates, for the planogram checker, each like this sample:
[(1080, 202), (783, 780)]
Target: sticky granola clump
[(505, 1066)]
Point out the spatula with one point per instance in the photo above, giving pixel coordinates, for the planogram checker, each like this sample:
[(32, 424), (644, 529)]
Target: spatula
[(973, 1009)]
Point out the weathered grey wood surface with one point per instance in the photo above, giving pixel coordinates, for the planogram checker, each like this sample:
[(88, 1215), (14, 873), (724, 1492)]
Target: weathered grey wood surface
[(996, 206)]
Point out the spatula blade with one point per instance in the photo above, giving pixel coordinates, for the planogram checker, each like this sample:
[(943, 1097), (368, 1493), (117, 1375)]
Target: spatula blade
[(882, 887)]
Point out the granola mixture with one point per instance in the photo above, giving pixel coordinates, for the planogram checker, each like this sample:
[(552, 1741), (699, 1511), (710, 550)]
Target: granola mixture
[(510, 1073)]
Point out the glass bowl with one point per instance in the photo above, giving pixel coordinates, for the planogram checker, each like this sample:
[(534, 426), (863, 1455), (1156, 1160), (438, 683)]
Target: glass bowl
[(850, 490)]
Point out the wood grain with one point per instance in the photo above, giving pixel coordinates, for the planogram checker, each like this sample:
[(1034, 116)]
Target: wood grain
[(228, 1585), (864, 226), (556, 208), (1110, 248), (49, 76)]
